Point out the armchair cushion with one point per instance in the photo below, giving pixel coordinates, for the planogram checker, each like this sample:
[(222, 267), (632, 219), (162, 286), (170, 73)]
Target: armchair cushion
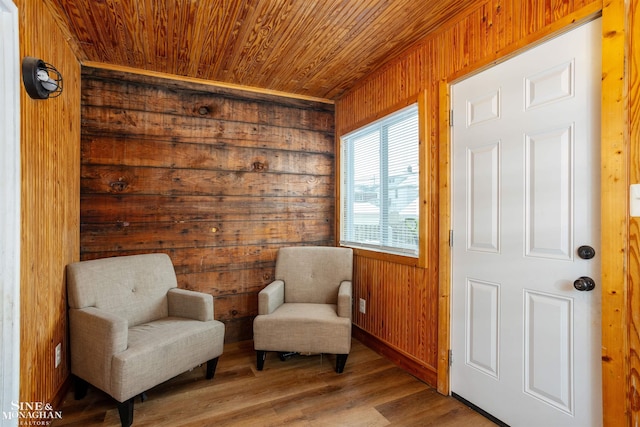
[(310, 328), (312, 273), (134, 287), (153, 347)]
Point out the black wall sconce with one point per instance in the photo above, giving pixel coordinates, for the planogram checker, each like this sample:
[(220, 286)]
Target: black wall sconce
[(41, 80)]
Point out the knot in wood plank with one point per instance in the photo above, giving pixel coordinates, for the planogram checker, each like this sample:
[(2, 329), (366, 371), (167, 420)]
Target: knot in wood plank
[(119, 185), (258, 166)]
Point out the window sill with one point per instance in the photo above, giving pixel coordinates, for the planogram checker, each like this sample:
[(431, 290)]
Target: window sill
[(396, 259)]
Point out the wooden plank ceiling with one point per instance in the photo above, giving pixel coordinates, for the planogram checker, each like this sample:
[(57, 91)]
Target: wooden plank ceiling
[(310, 48)]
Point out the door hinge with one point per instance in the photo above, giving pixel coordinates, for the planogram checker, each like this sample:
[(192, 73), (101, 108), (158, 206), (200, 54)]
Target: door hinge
[(451, 118), (450, 238), (450, 357)]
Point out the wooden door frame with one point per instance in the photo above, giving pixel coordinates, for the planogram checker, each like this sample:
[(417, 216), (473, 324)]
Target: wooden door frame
[(9, 210), (615, 223)]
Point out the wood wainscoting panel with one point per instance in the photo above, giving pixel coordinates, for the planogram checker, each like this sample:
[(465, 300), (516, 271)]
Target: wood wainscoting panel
[(217, 178), (401, 312), (50, 209)]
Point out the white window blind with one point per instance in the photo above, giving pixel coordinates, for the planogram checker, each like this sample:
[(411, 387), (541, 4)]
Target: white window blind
[(379, 185)]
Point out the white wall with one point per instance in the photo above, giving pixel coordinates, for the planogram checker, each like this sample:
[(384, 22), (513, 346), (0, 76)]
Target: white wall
[(9, 212)]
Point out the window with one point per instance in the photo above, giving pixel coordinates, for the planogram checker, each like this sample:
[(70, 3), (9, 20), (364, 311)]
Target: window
[(379, 185)]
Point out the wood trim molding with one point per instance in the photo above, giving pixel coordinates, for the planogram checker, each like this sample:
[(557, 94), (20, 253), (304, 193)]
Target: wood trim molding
[(425, 178), (419, 370), (379, 115), (633, 61), (444, 256), (616, 326), (423, 259), (149, 73), (58, 399)]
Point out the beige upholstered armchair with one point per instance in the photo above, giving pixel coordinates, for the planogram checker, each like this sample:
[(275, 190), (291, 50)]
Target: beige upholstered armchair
[(132, 328), (307, 308)]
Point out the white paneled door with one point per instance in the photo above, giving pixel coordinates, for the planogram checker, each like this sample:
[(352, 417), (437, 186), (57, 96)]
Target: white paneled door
[(525, 155)]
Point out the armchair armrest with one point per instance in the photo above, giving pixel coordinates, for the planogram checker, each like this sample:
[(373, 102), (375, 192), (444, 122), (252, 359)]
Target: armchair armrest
[(95, 337), (344, 299), (271, 297), (190, 304)]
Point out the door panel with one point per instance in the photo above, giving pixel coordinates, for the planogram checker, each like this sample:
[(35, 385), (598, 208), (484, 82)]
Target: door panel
[(483, 170), (482, 326), (525, 164), (549, 193), (548, 349)]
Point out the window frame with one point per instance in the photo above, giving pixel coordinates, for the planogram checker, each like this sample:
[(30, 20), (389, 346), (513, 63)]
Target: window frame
[(423, 165)]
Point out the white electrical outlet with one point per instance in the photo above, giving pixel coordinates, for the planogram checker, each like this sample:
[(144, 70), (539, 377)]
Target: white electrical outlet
[(634, 200), (363, 306), (58, 354)]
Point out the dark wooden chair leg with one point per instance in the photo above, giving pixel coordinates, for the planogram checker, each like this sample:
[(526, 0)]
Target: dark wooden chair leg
[(341, 360), (143, 397), (80, 388), (125, 409), (261, 355), (211, 367)]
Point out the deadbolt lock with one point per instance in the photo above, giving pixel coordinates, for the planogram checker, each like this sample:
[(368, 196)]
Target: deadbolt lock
[(586, 252)]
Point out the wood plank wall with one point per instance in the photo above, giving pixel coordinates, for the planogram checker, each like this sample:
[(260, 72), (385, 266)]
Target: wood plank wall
[(219, 179), (484, 32), (50, 229)]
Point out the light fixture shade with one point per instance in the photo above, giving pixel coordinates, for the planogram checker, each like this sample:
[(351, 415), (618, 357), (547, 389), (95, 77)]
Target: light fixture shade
[(41, 80)]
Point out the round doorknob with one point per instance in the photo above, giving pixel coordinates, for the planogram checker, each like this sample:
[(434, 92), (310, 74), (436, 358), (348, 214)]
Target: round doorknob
[(584, 283)]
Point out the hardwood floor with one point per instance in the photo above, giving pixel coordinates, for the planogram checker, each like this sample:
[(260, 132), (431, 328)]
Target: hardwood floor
[(302, 391)]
